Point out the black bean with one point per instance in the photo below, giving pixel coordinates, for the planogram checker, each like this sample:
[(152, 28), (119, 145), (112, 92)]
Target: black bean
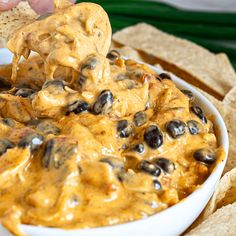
[(54, 85), (140, 118), (25, 92), (121, 175), (124, 128), (121, 127), (124, 146), (47, 127), (33, 122), (115, 163), (157, 185), (194, 127), (90, 64), (164, 76), (104, 103), (188, 93), (175, 128), (139, 148), (150, 168), (33, 141), (4, 145), (56, 152), (130, 84), (81, 81), (205, 156), (166, 165), (78, 107), (199, 113), (8, 121), (113, 55), (48, 151), (121, 77), (4, 84), (153, 136)]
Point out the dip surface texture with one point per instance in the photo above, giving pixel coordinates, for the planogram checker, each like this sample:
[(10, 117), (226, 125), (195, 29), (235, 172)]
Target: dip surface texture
[(89, 139)]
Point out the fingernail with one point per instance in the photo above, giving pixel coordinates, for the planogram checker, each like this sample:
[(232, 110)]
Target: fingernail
[(5, 1)]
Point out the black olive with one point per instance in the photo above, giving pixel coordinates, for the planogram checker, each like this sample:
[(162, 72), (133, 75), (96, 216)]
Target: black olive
[(175, 128), (124, 128), (205, 155), (90, 64), (33, 141), (4, 145), (140, 118), (8, 121), (115, 163), (139, 148), (47, 127), (194, 127), (150, 168), (157, 185), (56, 152), (78, 107), (4, 84), (166, 165), (153, 136), (199, 113), (104, 103), (164, 76), (54, 86), (188, 93), (25, 92), (113, 55)]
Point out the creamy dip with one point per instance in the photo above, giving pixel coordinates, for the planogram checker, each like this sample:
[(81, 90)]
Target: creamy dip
[(89, 139)]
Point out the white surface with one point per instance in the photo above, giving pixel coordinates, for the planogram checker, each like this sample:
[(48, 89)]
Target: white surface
[(172, 221), (204, 5), (5, 56)]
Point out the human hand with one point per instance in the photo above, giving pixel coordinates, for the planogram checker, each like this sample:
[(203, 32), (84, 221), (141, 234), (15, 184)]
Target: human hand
[(40, 6)]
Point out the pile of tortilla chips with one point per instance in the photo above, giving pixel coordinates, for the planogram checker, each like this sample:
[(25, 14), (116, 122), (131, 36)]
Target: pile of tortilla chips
[(211, 73)]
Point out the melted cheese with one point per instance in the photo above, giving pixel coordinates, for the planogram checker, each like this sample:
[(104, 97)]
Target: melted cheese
[(66, 182)]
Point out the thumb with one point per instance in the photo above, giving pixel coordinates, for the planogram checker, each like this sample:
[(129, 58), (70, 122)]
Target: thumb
[(8, 4), (42, 7)]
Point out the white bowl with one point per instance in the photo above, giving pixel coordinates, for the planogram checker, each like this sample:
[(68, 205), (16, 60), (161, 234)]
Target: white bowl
[(172, 221)]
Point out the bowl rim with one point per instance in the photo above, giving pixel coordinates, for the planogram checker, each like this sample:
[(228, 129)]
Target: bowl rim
[(223, 140)]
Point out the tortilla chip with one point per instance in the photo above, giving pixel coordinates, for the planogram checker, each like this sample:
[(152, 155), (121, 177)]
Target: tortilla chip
[(230, 98), (224, 194), (15, 18), (3, 43), (191, 62), (129, 52), (229, 116), (135, 54), (222, 222)]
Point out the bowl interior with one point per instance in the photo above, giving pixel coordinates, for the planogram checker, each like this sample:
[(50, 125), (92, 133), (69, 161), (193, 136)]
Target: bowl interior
[(183, 208)]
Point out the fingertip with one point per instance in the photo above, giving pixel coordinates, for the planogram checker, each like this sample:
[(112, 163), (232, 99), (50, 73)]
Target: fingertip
[(8, 4)]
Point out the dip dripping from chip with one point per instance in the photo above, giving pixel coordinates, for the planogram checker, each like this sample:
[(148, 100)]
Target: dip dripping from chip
[(64, 38)]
